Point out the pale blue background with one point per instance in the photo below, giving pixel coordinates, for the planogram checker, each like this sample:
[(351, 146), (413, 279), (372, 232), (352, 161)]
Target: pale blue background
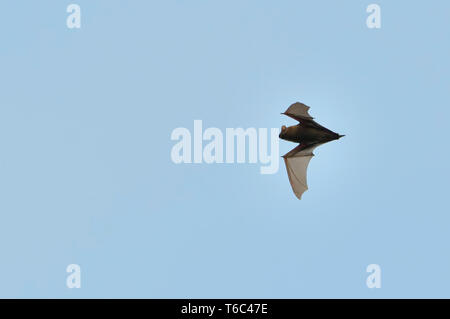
[(85, 170)]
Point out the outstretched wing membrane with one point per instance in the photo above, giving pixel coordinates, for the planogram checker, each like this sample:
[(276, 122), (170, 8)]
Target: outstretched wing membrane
[(297, 161), (299, 112)]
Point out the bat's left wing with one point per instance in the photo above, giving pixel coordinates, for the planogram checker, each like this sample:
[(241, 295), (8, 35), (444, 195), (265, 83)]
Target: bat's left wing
[(297, 162)]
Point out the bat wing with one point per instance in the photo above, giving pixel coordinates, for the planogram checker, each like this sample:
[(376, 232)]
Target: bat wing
[(299, 112), (297, 162)]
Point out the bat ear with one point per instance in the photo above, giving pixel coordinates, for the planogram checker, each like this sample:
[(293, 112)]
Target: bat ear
[(283, 131)]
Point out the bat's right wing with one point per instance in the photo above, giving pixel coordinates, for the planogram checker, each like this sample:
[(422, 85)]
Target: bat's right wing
[(297, 162), (299, 112)]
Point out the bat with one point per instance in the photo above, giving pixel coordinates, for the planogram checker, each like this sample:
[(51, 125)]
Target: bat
[(309, 134)]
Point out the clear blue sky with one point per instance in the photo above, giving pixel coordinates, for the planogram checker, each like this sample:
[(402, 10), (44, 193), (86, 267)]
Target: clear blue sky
[(85, 170)]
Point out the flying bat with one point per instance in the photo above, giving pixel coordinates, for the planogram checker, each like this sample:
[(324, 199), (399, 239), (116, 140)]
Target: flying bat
[(309, 135)]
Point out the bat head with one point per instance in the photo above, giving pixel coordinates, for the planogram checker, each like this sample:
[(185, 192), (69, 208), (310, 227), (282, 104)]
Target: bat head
[(283, 131)]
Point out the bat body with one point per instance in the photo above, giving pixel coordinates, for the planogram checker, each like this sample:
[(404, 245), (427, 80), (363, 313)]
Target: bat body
[(305, 134), (309, 135)]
